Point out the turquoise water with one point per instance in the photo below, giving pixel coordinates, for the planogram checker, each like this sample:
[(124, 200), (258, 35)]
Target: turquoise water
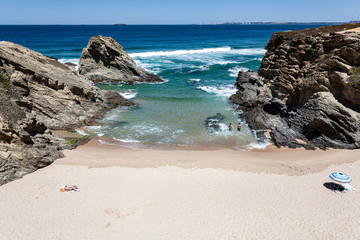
[(198, 63), (198, 85)]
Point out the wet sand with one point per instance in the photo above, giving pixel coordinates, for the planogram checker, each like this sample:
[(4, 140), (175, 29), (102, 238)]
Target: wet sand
[(270, 160)]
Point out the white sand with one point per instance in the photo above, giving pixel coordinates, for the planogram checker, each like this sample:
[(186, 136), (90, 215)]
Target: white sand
[(171, 202)]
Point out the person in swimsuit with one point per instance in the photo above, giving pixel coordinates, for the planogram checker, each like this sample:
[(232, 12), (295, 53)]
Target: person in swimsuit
[(230, 127), (239, 127)]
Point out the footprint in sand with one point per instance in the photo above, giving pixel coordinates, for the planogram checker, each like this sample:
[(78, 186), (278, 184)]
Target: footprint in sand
[(122, 213)]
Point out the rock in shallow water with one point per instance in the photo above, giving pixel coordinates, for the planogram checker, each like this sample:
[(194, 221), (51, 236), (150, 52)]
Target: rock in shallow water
[(105, 60), (213, 122)]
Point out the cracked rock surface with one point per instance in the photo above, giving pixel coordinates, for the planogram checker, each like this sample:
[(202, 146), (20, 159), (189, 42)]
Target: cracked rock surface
[(39, 94), (307, 90)]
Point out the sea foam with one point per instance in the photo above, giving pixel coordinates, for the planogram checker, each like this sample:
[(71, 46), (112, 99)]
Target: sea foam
[(126, 140), (128, 94), (246, 51), (235, 71), (70, 60), (222, 91), (179, 52), (258, 145), (81, 132), (194, 79)]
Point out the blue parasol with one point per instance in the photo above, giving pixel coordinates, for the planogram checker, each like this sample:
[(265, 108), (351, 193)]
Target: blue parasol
[(340, 177)]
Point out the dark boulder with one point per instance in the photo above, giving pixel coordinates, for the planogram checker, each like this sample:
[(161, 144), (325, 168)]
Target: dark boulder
[(213, 122)]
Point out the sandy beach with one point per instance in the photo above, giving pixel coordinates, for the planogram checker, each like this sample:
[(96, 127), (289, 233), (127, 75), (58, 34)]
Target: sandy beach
[(176, 194), (169, 120)]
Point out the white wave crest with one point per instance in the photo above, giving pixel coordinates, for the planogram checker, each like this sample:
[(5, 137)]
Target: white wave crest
[(94, 128), (148, 129), (126, 140), (235, 71), (179, 52), (70, 60), (223, 127), (246, 51), (81, 132), (222, 91), (128, 94), (200, 69), (258, 145), (194, 79), (249, 51), (150, 67)]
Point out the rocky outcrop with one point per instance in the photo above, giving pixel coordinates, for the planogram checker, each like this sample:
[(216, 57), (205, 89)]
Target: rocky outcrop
[(213, 122), (39, 94), (104, 60), (307, 90)]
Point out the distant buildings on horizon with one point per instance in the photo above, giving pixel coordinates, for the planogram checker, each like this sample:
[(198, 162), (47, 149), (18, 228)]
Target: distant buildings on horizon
[(278, 23), (241, 23)]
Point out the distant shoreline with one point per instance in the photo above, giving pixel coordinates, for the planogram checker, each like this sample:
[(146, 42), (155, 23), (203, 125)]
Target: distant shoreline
[(277, 23), (184, 24)]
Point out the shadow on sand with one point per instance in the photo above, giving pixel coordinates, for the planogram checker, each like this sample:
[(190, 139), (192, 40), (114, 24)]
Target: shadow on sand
[(334, 186)]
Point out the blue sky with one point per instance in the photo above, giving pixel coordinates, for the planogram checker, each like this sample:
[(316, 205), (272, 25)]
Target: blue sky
[(174, 12)]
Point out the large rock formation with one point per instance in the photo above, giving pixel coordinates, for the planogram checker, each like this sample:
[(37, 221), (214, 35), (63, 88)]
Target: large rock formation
[(38, 93), (104, 60), (307, 90)]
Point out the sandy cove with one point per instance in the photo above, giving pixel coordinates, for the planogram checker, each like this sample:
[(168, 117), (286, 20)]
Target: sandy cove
[(175, 194)]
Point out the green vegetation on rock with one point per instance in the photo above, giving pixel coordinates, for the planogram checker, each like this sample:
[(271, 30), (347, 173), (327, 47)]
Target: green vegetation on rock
[(356, 76), (4, 81), (310, 51), (70, 141)]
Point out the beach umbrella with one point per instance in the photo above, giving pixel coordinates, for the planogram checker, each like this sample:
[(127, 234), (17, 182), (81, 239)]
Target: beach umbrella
[(340, 177)]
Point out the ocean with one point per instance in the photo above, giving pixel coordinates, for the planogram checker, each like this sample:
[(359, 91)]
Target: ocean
[(199, 64)]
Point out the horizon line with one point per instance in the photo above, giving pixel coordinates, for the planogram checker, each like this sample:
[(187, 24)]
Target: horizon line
[(124, 24)]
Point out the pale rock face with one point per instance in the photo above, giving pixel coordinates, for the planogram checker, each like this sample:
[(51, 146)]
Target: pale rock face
[(104, 60), (307, 91), (37, 94)]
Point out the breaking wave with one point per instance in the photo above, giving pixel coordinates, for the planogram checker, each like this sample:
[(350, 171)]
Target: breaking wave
[(235, 71), (222, 91), (128, 94), (70, 60), (246, 51)]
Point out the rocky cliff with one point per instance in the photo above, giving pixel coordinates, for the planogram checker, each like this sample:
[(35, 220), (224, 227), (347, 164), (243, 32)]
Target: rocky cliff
[(39, 94), (104, 60), (307, 90)]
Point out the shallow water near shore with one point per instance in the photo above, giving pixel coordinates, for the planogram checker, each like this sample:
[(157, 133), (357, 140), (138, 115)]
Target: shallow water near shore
[(198, 63)]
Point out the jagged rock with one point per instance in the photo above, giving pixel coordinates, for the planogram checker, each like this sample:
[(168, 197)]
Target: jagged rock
[(38, 93), (104, 60), (213, 122), (307, 90)]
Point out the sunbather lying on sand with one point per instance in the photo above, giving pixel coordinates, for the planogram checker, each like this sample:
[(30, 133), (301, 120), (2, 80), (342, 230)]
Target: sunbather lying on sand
[(69, 189)]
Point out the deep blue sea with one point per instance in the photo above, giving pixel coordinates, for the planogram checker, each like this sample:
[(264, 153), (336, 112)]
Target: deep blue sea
[(199, 64)]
